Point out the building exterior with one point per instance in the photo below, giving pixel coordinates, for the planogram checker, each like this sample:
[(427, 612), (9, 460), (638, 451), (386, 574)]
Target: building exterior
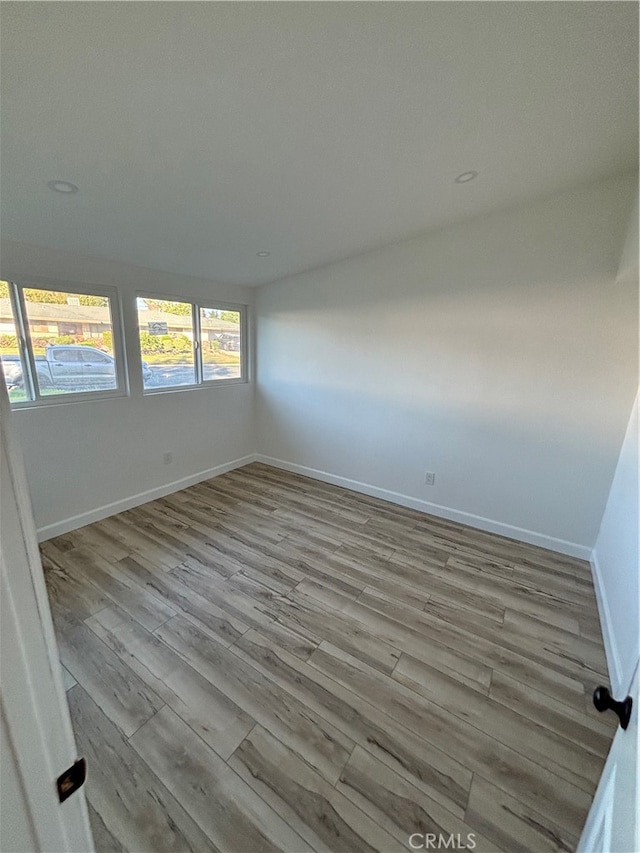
[(91, 321)]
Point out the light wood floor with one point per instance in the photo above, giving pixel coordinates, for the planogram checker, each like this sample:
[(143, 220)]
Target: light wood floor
[(265, 662)]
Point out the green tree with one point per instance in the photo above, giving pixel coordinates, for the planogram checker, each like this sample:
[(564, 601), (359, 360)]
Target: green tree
[(4, 289), (8, 342), (101, 301), (57, 297), (181, 308), (231, 316), (150, 343), (51, 297)]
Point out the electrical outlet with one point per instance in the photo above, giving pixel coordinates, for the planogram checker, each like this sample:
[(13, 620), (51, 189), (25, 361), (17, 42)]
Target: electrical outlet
[(168, 458), (430, 478)]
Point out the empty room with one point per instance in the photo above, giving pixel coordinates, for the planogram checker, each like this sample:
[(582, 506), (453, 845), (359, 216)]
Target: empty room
[(319, 427)]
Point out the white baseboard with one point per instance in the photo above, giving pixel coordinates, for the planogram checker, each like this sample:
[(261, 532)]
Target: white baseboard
[(571, 549), (606, 623), (521, 534), (97, 514)]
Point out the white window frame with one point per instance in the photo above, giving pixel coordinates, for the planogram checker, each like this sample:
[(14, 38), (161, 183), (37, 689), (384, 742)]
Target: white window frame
[(23, 332), (196, 305)]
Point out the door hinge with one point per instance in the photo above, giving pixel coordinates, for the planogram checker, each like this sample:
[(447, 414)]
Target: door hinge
[(72, 779)]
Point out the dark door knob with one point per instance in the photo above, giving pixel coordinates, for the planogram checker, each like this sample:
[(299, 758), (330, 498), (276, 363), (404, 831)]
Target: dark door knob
[(604, 701)]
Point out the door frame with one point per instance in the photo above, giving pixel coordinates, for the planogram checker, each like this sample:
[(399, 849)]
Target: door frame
[(36, 722), (613, 822)]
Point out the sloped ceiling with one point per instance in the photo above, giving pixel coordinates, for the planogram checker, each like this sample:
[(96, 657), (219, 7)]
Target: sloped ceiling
[(202, 133)]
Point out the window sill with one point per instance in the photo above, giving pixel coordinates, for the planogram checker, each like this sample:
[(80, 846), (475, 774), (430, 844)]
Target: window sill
[(212, 383), (67, 399)]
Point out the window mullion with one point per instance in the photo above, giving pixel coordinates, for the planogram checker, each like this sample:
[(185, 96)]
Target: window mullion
[(244, 346), (24, 337), (197, 344)]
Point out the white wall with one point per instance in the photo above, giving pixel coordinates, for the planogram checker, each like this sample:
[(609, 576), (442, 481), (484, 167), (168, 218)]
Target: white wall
[(616, 556), (497, 353), (628, 266), (83, 457), (616, 563)]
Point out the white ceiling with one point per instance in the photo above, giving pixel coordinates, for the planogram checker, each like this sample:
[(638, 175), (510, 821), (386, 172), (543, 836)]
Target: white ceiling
[(202, 133)]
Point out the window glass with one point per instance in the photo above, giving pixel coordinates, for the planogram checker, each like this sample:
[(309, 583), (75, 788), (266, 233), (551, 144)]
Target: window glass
[(63, 328), (91, 356), (184, 343), (166, 343), (12, 366), (64, 354), (221, 344)]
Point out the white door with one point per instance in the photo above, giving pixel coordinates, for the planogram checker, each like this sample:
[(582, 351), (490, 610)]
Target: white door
[(36, 738), (613, 825)]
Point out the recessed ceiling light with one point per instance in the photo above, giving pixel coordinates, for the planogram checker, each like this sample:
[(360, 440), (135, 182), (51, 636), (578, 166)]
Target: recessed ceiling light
[(465, 177), (263, 254), (62, 187)]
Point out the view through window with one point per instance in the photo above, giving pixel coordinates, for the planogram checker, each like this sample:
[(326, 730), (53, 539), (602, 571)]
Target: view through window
[(221, 344), (71, 342), (166, 343), (56, 342), (186, 344), (12, 362)]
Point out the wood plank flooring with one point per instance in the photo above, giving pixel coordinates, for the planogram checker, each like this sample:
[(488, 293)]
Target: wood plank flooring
[(266, 662)]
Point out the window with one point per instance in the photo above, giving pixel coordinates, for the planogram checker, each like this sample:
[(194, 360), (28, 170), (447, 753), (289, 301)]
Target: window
[(10, 352), (59, 345), (183, 344)]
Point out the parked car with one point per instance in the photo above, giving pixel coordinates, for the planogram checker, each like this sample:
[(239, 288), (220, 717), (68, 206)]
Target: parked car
[(68, 367), (229, 342)]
